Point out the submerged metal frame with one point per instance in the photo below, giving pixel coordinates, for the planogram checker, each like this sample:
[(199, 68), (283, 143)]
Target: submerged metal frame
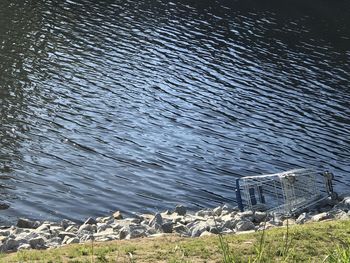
[(284, 193)]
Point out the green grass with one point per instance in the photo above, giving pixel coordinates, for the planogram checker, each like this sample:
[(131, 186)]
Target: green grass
[(315, 242)]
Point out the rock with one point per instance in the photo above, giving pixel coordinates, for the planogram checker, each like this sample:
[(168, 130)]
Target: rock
[(217, 211), (64, 234), (85, 238), (54, 242), (156, 221), (103, 239), (146, 217), (24, 246), (17, 231), (26, 223), (303, 218), (226, 231), (9, 245), (214, 230), (66, 223), (87, 227), (5, 232), (101, 227), (230, 224), (249, 215), (289, 222), (124, 232), (245, 232), (206, 233), (54, 230), (259, 217), (72, 240), (191, 219), (226, 209), (135, 232), (204, 213), (198, 229), (346, 202), (342, 215), (270, 224), (132, 220), (43, 227), (37, 242), (107, 220), (226, 217), (107, 232), (65, 239), (167, 227), (117, 215), (181, 229), (244, 225), (90, 221), (321, 217), (24, 237), (180, 210), (71, 229)]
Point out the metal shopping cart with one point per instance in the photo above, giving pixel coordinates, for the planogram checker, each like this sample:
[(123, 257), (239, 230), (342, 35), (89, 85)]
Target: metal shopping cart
[(284, 193)]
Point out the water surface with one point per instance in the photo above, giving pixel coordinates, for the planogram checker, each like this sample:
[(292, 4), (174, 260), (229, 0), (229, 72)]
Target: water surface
[(140, 105)]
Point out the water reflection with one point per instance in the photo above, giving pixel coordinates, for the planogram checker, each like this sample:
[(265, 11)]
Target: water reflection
[(140, 105)]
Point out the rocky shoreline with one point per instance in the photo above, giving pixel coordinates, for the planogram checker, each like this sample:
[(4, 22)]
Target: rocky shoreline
[(28, 234)]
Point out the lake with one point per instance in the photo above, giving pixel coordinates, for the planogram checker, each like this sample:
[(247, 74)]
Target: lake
[(140, 105)]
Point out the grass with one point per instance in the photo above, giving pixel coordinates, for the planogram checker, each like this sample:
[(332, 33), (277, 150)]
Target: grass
[(315, 242)]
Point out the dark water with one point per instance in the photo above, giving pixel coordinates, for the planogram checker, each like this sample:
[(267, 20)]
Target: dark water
[(140, 105)]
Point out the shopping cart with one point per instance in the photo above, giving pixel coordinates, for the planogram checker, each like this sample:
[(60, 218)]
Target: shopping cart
[(284, 193)]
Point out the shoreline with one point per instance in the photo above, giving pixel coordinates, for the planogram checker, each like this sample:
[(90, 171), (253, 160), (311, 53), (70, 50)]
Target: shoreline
[(28, 234)]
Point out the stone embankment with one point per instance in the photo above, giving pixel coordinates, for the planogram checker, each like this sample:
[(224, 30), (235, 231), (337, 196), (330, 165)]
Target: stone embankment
[(28, 234)]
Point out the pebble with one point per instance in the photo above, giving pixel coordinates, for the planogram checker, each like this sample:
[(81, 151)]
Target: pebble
[(29, 234)]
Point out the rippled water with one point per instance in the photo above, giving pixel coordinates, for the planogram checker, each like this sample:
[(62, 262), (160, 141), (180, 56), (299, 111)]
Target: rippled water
[(140, 105)]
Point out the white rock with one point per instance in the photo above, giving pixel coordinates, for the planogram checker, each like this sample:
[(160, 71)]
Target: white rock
[(43, 227), (85, 238), (24, 246), (102, 227), (54, 242), (245, 232), (117, 215), (198, 229), (321, 217), (303, 218), (206, 233), (289, 222), (66, 223), (205, 213), (64, 234), (72, 229), (217, 211), (72, 240), (87, 227)]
